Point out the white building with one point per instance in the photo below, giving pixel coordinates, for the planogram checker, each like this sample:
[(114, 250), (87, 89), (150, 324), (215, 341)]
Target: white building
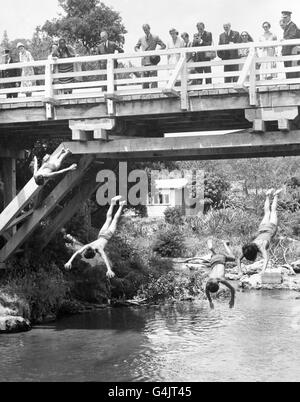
[(170, 193)]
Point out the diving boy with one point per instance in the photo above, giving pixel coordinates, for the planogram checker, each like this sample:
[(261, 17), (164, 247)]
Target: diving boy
[(217, 274), (89, 251)]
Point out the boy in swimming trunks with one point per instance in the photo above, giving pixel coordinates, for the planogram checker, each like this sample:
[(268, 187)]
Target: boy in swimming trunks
[(90, 250), (51, 166), (217, 274), (266, 232)]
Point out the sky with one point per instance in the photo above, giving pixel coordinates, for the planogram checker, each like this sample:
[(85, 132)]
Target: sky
[(20, 17)]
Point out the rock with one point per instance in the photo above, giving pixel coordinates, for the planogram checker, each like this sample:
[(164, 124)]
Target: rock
[(251, 282), (13, 324), (255, 282)]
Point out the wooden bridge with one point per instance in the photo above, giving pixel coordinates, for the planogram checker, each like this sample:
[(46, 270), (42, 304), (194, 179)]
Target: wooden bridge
[(122, 113)]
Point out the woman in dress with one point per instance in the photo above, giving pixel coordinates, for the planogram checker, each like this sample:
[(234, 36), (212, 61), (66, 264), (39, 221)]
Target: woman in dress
[(64, 51), (26, 57), (267, 52), (174, 43), (245, 37)]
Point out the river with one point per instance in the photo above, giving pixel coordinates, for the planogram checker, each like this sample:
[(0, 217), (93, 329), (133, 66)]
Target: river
[(258, 340)]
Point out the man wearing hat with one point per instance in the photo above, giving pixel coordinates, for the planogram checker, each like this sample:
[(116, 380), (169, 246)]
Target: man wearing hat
[(9, 73), (147, 43), (290, 32)]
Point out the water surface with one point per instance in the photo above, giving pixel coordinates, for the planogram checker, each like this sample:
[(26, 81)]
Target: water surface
[(259, 340)]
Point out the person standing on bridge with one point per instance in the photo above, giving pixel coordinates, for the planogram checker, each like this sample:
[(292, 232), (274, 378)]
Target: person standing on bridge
[(64, 51), (89, 251), (203, 38), (227, 37), (268, 52), (26, 57), (9, 73), (147, 43), (107, 47), (291, 31), (266, 232)]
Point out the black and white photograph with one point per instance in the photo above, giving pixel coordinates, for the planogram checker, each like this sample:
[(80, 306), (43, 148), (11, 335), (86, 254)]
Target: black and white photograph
[(149, 194)]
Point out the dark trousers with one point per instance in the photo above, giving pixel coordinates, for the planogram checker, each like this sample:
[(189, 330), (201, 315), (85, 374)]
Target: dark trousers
[(203, 70), (291, 75), (233, 67), (147, 74)]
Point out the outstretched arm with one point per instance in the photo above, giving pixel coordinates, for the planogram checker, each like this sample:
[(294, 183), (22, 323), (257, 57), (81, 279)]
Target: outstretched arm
[(232, 290), (211, 304), (68, 169), (109, 273), (68, 265), (265, 254), (239, 263)]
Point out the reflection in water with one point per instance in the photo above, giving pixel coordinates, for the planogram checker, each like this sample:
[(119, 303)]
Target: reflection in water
[(185, 342)]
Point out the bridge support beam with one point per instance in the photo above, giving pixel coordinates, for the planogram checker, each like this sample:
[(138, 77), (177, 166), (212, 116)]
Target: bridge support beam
[(283, 116), (100, 128), (242, 144)]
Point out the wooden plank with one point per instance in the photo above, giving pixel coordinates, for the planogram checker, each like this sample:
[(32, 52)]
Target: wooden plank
[(63, 187), (87, 187), (176, 72), (20, 219)]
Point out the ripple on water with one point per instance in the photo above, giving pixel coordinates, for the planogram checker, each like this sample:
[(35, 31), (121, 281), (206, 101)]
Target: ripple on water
[(255, 341)]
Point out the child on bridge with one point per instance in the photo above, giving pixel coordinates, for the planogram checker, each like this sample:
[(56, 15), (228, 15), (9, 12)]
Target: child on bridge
[(217, 274), (51, 166), (266, 232), (90, 250)]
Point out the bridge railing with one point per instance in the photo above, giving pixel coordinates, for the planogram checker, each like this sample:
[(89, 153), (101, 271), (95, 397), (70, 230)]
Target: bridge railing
[(112, 76)]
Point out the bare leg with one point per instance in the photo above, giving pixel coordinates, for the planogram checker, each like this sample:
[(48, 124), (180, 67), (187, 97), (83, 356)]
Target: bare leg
[(266, 218), (109, 213), (62, 155), (228, 250), (113, 225), (273, 216)]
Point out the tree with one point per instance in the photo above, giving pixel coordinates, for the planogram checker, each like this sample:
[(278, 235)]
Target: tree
[(5, 40), (83, 22)]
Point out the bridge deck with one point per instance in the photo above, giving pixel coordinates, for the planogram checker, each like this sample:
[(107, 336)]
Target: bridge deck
[(182, 99)]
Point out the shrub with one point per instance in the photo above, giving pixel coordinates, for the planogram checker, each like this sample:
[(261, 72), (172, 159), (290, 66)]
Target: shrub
[(169, 243), (173, 285), (214, 191), (44, 290), (174, 216)]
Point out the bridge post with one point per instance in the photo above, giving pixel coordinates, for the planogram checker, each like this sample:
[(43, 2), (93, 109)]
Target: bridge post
[(9, 183), (110, 85), (49, 94), (283, 116), (184, 86)]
